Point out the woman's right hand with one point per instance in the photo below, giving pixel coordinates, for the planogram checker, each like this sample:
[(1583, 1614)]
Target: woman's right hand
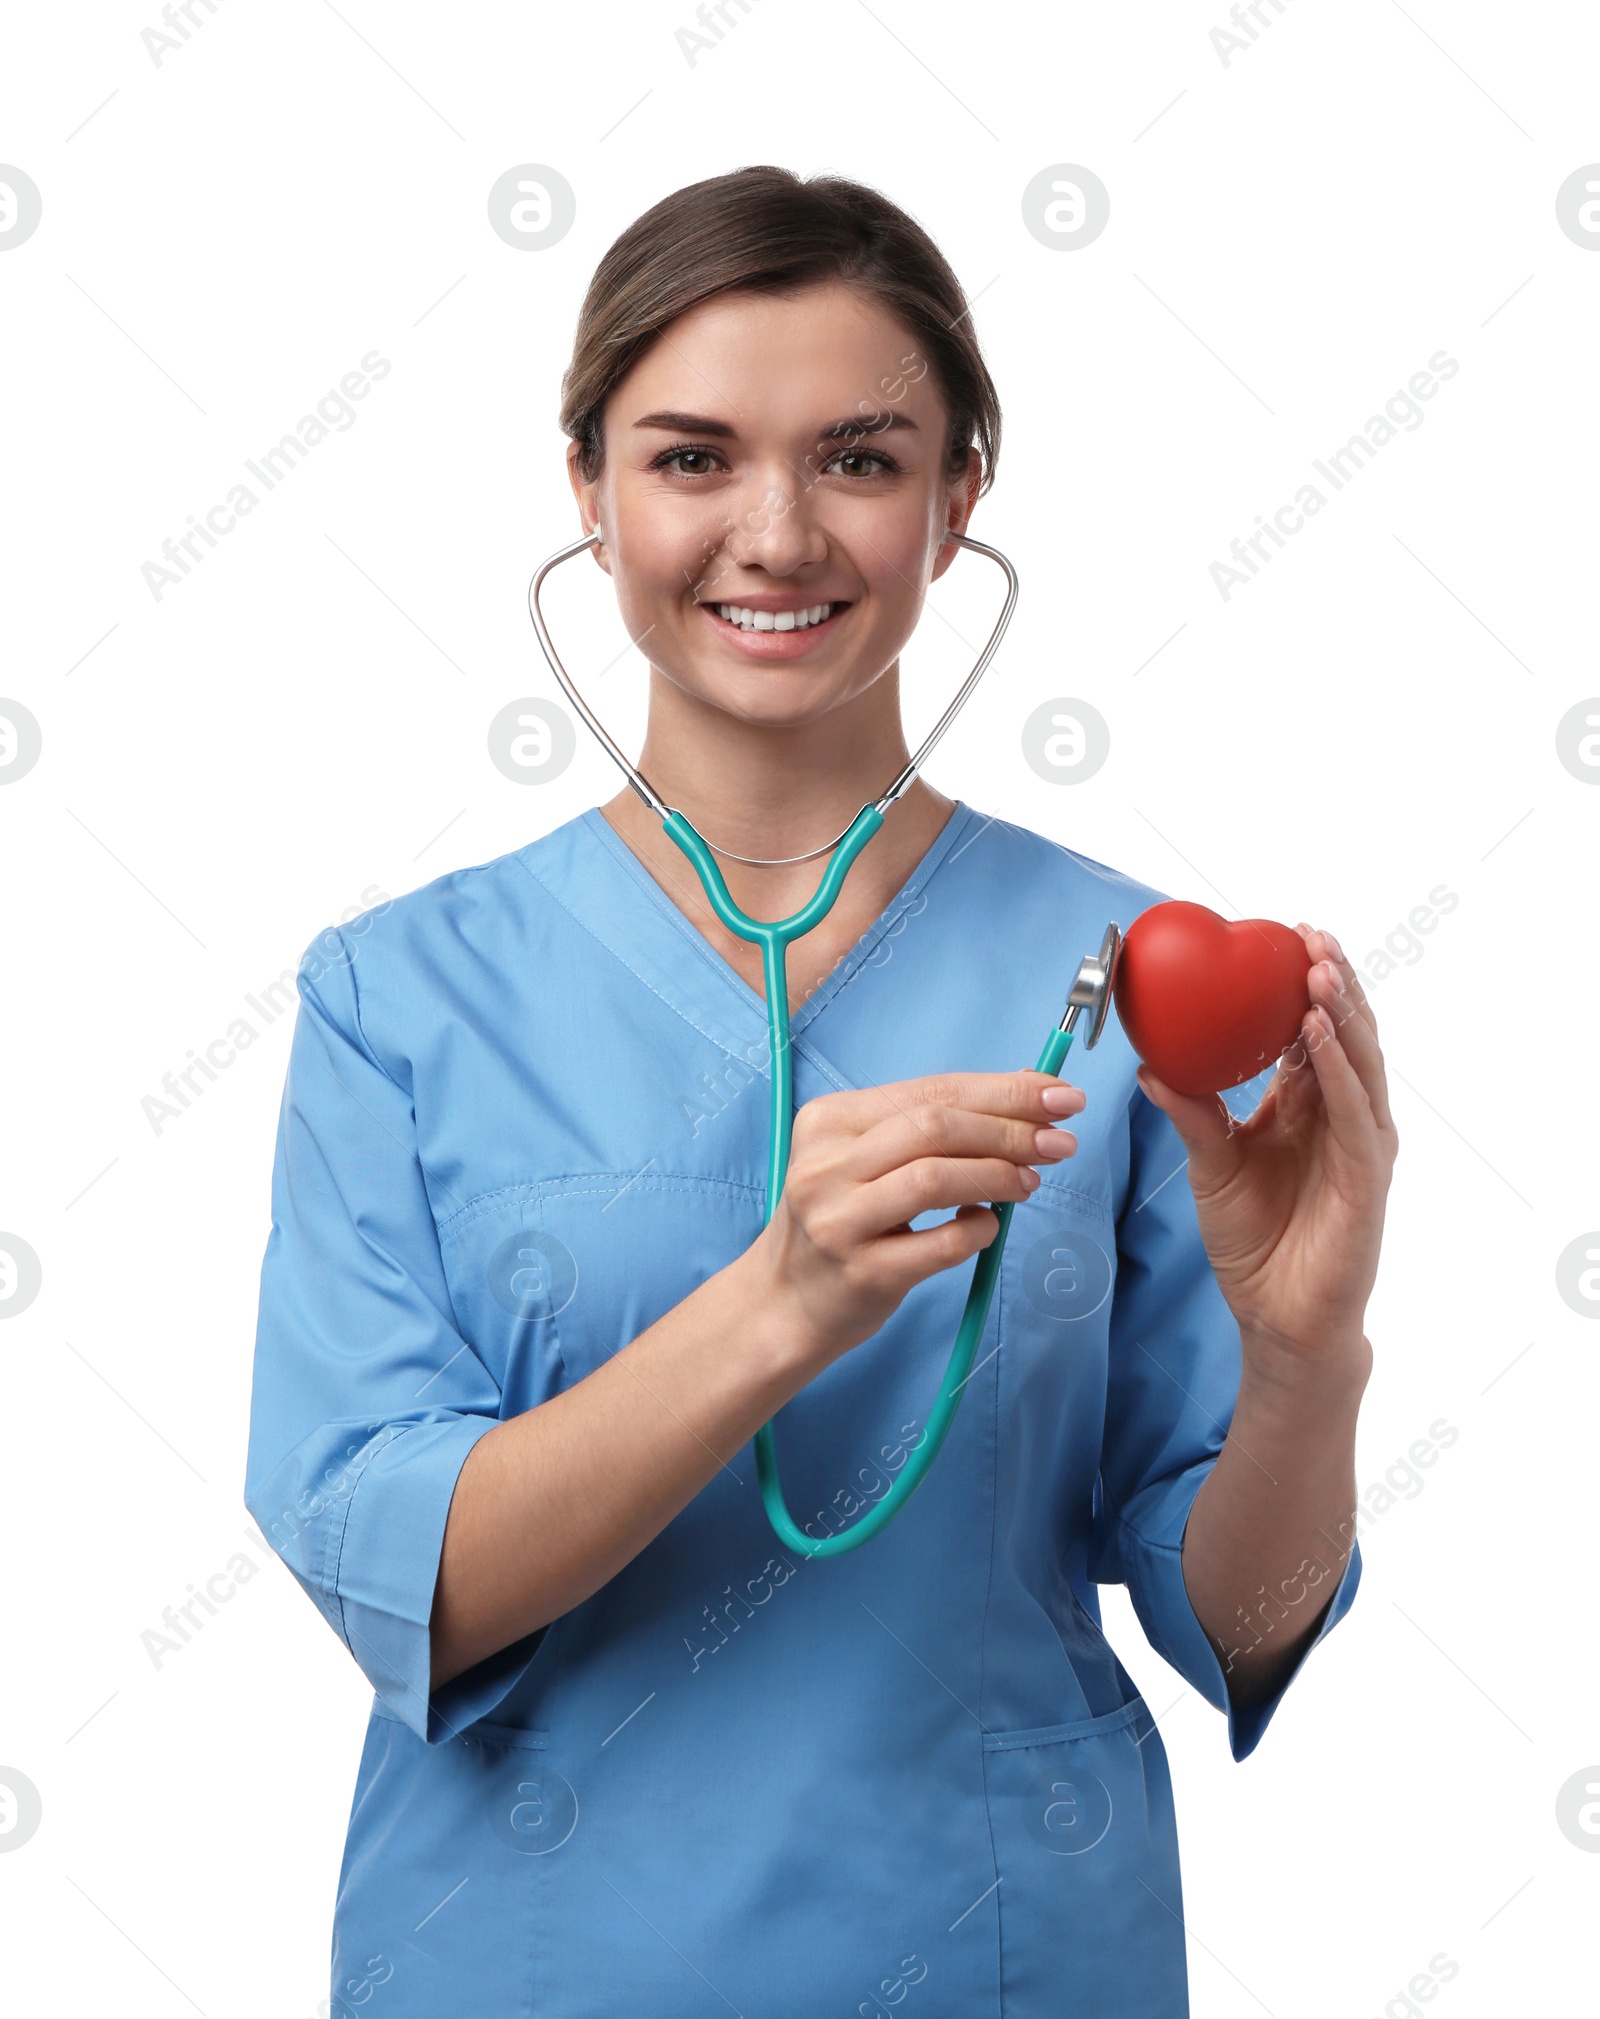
[(839, 1253)]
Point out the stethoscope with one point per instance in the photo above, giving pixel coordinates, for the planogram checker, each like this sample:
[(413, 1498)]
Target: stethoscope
[(1090, 996)]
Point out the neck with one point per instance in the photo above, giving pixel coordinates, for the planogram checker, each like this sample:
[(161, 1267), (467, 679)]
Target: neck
[(772, 793), (761, 791)]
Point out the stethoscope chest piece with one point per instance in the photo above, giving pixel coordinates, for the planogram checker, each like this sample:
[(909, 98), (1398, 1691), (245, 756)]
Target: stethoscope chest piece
[(1091, 991)]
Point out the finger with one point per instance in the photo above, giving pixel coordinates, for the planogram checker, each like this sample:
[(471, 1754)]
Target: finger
[(910, 1256), (1204, 1125), (902, 1137), (1203, 1121), (1295, 1083), (1357, 1033), (1350, 1114), (1019, 1095), (1322, 945), (930, 1185)]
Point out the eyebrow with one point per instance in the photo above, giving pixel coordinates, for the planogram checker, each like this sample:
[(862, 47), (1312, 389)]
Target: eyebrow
[(702, 424)]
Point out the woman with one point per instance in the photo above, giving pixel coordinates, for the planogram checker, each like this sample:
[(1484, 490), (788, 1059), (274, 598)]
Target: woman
[(521, 1320)]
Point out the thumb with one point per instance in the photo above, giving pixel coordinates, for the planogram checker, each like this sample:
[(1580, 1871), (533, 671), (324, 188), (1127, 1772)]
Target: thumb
[(1202, 1121)]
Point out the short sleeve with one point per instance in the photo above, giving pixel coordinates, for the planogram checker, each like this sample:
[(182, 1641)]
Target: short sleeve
[(1173, 1383), (366, 1398)]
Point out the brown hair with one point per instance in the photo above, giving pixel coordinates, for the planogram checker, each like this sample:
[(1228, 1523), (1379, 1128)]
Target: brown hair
[(767, 231)]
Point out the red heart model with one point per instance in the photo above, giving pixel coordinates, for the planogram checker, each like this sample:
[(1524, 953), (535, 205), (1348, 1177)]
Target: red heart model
[(1207, 1002)]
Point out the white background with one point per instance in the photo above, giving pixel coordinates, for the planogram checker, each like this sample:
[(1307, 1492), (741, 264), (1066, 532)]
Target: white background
[(228, 769)]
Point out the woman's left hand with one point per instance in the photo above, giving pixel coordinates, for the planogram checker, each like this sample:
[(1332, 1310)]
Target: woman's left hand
[(1291, 1202)]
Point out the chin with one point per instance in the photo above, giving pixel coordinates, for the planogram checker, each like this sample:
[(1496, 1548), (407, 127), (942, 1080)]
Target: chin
[(777, 697)]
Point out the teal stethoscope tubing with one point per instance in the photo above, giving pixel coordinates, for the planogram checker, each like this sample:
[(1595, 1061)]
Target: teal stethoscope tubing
[(774, 938)]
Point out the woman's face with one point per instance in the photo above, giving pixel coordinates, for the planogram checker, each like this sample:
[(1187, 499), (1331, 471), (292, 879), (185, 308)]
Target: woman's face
[(775, 498)]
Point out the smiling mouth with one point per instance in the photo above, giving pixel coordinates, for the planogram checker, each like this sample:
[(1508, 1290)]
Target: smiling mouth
[(805, 617)]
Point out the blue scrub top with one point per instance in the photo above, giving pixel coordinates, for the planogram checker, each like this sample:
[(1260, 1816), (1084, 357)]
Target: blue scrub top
[(525, 1115)]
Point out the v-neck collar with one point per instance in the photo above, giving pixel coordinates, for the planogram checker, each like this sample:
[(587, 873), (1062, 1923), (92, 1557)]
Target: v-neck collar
[(675, 960)]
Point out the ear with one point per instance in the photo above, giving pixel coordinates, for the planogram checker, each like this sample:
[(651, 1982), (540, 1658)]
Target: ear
[(587, 493), (961, 498)]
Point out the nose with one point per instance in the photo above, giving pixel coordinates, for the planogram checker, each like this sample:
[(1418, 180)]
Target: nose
[(776, 529)]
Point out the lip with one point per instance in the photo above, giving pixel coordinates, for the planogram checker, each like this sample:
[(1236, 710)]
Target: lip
[(774, 644)]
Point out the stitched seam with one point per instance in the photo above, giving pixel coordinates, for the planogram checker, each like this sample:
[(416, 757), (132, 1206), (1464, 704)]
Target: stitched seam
[(568, 1372), (830, 990), (863, 950), (539, 1189), (697, 942), (1170, 1549), (361, 1029), (819, 1064), (1090, 1202), (1056, 1735), (626, 965), (651, 889), (410, 1099), (642, 1185), (703, 953), (478, 1733), (868, 943), (373, 1448)]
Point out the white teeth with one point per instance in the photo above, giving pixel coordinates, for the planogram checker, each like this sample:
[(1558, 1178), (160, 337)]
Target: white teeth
[(773, 620)]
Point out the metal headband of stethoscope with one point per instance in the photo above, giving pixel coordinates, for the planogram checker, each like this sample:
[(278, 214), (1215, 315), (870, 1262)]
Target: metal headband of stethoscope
[(647, 791), (1091, 991)]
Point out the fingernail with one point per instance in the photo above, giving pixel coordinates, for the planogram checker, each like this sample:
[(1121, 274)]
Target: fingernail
[(1030, 1178), (1338, 950), (1054, 1144), (1062, 1100)]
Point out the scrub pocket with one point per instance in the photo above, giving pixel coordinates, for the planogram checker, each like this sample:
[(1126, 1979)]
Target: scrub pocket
[(1085, 1842), (551, 1277), (639, 1242), (439, 1885)]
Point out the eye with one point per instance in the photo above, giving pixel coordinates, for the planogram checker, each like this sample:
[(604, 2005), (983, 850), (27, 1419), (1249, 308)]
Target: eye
[(685, 451), (881, 464)]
